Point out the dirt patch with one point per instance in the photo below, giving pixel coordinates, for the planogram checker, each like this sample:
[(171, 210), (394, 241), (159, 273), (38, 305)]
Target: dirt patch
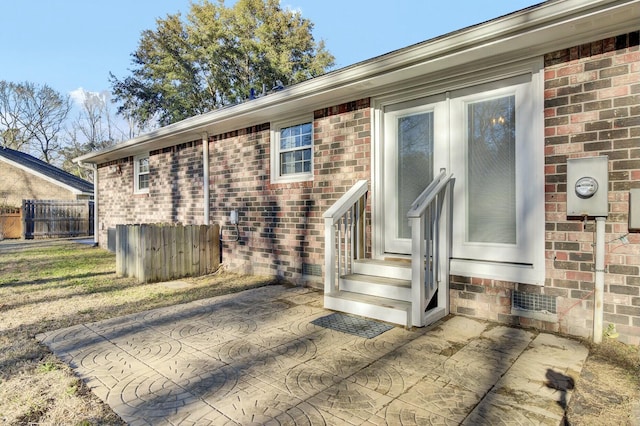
[(608, 389)]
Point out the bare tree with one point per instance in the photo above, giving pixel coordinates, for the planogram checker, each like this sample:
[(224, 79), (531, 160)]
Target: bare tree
[(46, 112), (32, 118), (11, 133), (95, 121), (94, 129)]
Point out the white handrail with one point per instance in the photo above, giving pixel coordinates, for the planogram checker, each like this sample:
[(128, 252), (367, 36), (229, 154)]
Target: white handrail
[(426, 197), (344, 203), (426, 236), (424, 193), (346, 219)]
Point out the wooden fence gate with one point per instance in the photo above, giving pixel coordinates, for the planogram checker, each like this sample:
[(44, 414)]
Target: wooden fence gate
[(10, 222), (57, 218)]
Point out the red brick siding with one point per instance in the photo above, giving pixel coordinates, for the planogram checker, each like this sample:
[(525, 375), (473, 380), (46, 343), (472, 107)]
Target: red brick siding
[(281, 226), (175, 190), (592, 107)]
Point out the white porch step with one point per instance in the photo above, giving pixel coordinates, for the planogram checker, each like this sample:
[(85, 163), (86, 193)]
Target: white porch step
[(379, 286), (398, 269), (380, 308)]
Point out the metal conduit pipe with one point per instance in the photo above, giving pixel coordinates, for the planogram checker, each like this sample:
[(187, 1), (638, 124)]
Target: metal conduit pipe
[(598, 296)]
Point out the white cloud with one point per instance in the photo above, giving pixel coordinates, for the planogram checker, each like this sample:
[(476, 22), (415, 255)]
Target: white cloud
[(80, 96)]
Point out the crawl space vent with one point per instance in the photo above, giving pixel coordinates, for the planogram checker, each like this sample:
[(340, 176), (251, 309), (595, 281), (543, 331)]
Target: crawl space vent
[(541, 303), (311, 269)]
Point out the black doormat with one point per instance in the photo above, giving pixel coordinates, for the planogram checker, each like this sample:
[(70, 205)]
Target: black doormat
[(352, 325)]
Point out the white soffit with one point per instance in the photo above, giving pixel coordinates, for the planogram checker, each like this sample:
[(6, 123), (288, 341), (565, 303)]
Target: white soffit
[(522, 35)]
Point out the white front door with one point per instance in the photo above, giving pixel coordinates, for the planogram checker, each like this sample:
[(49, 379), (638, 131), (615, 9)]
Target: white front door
[(410, 132)]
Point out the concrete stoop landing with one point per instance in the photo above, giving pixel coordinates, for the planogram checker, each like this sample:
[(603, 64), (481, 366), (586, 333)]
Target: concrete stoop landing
[(256, 358)]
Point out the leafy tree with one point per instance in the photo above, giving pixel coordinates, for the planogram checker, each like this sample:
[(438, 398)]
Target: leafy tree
[(215, 58), (32, 118)]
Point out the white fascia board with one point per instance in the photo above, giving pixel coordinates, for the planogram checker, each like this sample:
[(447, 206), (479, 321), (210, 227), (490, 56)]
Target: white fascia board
[(531, 32), (45, 177)]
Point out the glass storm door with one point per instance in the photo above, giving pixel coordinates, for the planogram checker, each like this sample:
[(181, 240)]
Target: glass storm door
[(409, 154)]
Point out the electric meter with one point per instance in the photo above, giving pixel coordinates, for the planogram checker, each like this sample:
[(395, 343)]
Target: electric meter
[(586, 186)]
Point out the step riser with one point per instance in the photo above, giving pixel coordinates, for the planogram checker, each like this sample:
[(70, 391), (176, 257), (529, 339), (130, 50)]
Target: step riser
[(379, 290), (400, 272), (382, 313)]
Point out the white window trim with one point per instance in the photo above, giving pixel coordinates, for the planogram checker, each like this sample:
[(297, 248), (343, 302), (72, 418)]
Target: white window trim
[(136, 174), (275, 151)]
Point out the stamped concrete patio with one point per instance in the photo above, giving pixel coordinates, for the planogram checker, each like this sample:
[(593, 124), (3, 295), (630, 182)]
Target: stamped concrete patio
[(256, 358)]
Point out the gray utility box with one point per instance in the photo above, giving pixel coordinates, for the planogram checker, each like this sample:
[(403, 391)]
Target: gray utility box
[(588, 186)]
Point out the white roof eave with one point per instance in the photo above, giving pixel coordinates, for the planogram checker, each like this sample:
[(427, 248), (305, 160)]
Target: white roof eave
[(525, 34)]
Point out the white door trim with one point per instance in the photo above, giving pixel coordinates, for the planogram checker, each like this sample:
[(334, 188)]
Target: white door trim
[(467, 267)]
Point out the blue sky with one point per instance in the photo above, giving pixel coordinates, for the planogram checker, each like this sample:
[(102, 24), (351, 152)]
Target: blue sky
[(72, 44)]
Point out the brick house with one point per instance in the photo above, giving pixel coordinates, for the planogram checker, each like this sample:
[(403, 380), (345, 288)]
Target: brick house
[(23, 176), (326, 177)]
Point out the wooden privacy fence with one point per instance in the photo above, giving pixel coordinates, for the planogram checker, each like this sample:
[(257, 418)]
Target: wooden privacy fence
[(159, 252), (57, 218), (10, 222)]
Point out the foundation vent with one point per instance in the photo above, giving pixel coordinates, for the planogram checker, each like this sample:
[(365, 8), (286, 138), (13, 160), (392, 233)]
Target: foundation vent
[(310, 269), (540, 303)]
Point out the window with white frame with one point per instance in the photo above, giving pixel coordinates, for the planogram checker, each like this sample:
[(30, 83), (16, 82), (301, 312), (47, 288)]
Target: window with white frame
[(141, 174), (292, 151)]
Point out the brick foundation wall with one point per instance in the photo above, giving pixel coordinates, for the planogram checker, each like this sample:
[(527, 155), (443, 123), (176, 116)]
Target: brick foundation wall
[(18, 184), (592, 107), (281, 226)]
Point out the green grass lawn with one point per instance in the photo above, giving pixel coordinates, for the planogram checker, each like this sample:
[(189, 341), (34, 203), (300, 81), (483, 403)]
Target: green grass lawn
[(44, 288)]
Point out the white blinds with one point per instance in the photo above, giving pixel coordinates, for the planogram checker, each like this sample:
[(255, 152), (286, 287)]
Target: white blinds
[(491, 171), (415, 163)]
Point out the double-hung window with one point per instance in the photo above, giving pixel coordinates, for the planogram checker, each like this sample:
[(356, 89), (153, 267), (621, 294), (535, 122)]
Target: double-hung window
[(292, 151), (141, 174)]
